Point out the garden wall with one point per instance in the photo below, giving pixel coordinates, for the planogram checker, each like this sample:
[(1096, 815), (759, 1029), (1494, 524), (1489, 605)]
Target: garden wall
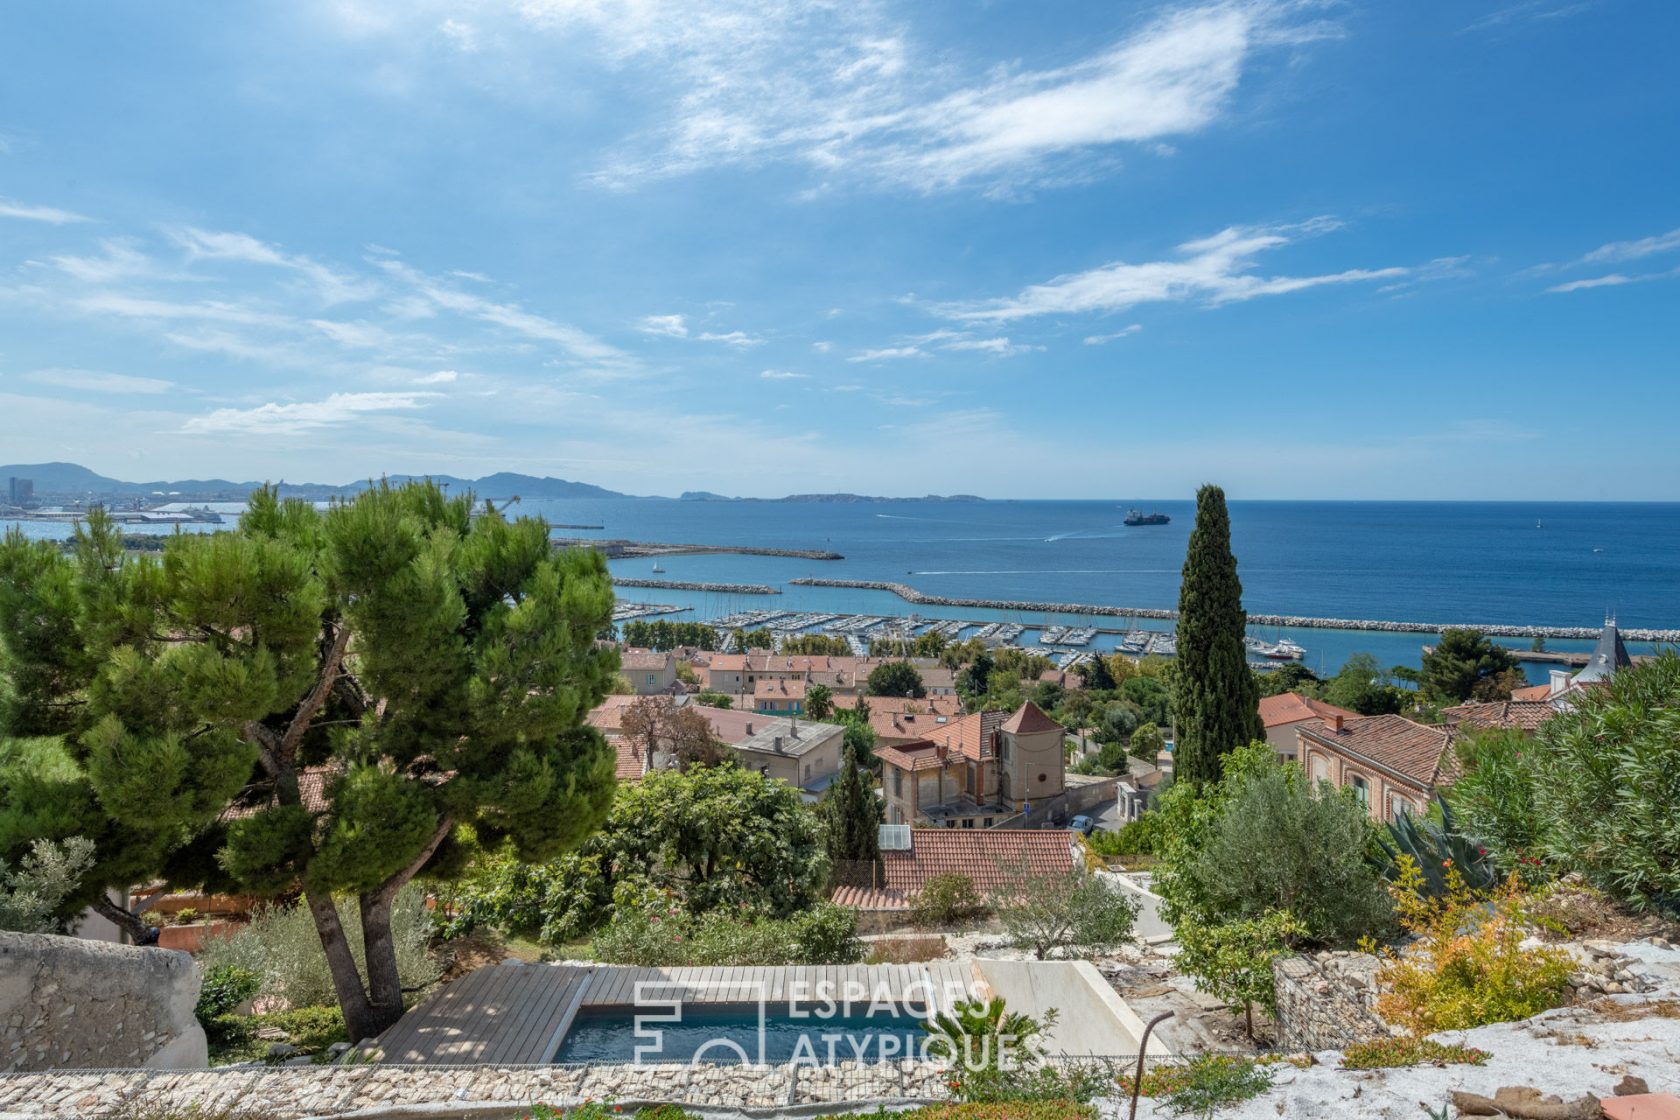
[(66, 1003), (1327, 1001)]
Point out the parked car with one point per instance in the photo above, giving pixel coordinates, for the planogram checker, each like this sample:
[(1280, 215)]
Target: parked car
[(1083, 825)]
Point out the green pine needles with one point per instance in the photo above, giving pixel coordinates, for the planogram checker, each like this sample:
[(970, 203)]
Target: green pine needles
[(1216, 706)]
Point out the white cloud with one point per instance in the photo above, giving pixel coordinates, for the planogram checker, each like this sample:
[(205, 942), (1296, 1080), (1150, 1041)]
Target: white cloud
[(732, 338), (52, 215), (671, 326), (888, 353), (289, 419), (846, 90), (93, 381), (577, 343), (822, 346), (997, 347), (441, 377), (118, 260), (1123, 332), (332, 285), (1613, 280), (784, 375), (1213, 270), (142, 307), (1617, 251)]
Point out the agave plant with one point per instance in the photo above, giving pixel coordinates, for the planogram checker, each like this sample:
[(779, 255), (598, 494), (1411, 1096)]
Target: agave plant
[(1434, 848), (981, 1035)]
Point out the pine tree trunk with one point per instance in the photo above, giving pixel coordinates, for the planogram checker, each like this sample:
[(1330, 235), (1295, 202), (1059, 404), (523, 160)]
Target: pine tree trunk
[(360, 1019), (384, 984)]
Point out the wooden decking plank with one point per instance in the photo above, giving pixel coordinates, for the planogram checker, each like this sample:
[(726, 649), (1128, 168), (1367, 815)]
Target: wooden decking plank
[(542, 1005), (551, 1048)]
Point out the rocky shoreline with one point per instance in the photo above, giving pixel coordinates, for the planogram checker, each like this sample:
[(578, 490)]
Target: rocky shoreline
[(911, 595)]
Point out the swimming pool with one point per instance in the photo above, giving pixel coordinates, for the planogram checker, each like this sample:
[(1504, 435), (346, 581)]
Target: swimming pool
[(730, 1034)]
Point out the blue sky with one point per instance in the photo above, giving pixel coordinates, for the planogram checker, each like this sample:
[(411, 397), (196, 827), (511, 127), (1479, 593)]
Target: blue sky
[(1305, 249)]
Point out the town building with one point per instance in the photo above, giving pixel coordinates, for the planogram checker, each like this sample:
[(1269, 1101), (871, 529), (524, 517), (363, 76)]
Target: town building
[(994, 861), (975, 771), (1284, 713), (1392, 764), (650, 672), (799, 752)]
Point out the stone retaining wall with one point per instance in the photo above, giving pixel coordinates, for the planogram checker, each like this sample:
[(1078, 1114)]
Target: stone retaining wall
[(1327, 1001), (65, 1002)]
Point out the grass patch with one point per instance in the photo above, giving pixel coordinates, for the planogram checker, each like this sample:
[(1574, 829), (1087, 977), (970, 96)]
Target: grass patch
[(310, 1029), (1204, 1084), (1614, 1012), (1391, 1053)]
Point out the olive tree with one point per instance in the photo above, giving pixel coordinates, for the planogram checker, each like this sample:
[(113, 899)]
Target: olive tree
[(313, 703)]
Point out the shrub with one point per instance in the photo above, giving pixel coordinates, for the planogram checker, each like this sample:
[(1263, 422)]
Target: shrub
[(1263, 839), (1494, 798), (994, 1110), (1469, 968), (556, 902), (280, 945), (44, 879), (1233, 961), (1389, 1053), (1204, 1083), (657, 932), (947, 900), (995, 1053), (225, 987), (1134, 838), (1075, 915), (1605, 774)]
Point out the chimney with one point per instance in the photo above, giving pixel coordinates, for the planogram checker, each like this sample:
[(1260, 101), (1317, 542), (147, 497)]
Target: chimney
[(778, 744), (1336, 724), (749, 727)]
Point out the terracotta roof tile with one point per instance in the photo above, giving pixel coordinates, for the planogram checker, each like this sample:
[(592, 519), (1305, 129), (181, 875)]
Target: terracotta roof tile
[(1532, 692), (1394, 743), (1291, 707), (994, 858), (1520, 715), (1028, 719)]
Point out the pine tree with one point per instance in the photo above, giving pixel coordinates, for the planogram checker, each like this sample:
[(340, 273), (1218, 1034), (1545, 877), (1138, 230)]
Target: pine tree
[(312, 703), (853, 814), (1215, 703)]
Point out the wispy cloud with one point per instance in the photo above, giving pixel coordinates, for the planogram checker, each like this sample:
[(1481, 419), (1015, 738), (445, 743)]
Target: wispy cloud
[(275, 418), (578, 344), (1000, 347), (888, 353), (94, 381), (1212, 270), (1123, 332), (1526, 11), (784, 375), (52, 215), (119, 258), (1613, 280), (731, 338), (332, 285), (847, 90), (670, 326), (1617, 251)]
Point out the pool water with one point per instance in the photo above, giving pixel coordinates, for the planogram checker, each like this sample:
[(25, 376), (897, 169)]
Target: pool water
[(729, 1034)]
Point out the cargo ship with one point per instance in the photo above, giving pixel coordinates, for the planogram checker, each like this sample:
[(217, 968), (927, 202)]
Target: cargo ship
[(1134, 517)]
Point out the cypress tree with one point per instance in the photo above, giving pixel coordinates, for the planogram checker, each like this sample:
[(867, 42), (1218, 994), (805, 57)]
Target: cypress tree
[(1216, 706), (853, 814)]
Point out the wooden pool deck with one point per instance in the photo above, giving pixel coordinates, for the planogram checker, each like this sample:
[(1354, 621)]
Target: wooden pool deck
[(512, 1014)]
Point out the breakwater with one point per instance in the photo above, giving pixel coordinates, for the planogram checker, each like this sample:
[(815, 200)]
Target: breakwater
[(618, 549), (911, 595), (686, 585)]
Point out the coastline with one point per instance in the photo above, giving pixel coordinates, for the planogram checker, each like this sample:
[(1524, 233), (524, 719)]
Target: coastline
[(911, 595)]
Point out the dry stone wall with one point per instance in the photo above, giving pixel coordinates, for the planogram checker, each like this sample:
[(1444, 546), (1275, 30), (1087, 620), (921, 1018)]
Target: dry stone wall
[(66, 1003), (1327, 1001)]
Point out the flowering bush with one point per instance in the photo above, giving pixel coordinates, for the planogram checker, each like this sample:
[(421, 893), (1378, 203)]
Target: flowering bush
[(1469, 967)]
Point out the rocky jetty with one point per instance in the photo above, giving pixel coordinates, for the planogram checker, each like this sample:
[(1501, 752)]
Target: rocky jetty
[(685, 585), (911, 595), (616, 549)]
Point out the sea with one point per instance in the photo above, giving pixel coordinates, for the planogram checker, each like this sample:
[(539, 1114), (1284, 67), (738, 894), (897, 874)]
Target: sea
[(1448, 563)]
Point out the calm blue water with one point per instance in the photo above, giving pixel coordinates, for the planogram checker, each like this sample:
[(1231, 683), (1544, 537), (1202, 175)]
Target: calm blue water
[(1417, 561), (608, 1034)]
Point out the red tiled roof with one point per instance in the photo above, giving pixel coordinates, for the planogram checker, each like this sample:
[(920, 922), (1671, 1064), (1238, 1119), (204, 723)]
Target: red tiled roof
[(312, 793), (778, 689), (1412, 750), (1291, 707), (1521, 715), (630, 764), (971, 735), (1532, 692), (995, 858), (643, 660), (607, 717), (1028, 719), (935, 704)]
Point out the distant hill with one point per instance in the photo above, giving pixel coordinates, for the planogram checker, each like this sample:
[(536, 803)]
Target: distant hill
[(73, 479), (708, 496)]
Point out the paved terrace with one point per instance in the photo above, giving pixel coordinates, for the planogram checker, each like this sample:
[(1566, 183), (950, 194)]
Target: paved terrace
[(512, 1014)]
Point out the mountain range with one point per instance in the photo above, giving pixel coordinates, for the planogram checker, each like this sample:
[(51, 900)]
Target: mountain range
[(63, 480)]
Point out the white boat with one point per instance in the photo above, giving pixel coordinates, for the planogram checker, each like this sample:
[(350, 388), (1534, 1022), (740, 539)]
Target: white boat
[(656, 567)]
